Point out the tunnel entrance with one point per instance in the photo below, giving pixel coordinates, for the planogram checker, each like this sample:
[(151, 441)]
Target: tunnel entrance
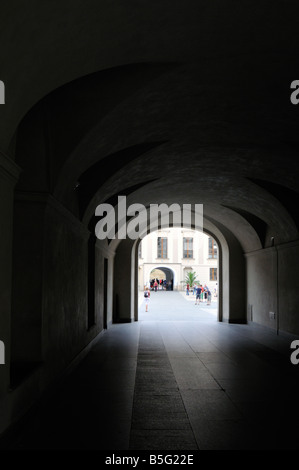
[(169, 260), (213, 255)]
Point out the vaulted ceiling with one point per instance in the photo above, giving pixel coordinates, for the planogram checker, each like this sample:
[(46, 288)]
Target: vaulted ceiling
[(160, 101)]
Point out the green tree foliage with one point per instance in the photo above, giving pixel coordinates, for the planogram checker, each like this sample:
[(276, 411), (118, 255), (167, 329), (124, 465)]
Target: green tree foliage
[(190, 278)]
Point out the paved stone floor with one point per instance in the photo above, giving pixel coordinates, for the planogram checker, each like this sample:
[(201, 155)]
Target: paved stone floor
[(175, 380)]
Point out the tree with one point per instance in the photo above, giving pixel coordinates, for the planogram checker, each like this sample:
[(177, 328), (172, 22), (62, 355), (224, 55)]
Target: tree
[(190, 278)]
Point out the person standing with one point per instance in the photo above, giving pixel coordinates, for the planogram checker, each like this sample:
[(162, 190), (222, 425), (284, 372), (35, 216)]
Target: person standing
[(187, 289), (198, 295), (205, 293), (147, 295), (209, 296), (201, 293)]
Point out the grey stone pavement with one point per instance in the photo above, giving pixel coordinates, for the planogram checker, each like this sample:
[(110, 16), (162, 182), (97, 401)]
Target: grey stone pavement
[(175, 380)]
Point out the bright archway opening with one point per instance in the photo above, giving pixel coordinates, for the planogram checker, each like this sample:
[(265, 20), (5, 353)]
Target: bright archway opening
[(176, 263)]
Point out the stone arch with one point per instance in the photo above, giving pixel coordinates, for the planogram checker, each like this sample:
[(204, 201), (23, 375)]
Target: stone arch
[(231, 281), (164, 268)]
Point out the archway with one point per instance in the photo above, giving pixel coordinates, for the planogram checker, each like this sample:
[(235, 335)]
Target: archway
[(169, 277), (229, 308), (184, 250)]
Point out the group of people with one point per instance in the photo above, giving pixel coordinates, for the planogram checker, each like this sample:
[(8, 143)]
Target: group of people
[(156, 284), (202, 293)]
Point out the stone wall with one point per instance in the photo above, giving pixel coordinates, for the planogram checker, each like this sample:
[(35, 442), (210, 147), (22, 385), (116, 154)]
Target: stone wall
[(272, 287)]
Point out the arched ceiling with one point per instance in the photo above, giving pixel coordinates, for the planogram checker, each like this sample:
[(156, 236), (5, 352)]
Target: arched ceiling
[(45, 45), (161, 101)]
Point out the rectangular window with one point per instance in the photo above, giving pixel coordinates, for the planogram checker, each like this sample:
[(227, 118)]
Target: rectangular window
[(162, 247), (187, 247), (212, 249), (213, 274)]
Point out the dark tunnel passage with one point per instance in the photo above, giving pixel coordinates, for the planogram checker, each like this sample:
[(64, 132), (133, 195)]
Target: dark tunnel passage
[(168, 103)]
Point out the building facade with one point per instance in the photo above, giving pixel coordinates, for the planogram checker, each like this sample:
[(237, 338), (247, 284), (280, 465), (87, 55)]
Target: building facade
[(169, 254)]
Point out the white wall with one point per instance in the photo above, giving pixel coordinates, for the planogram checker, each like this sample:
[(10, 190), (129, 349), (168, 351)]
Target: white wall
[(200, 263)]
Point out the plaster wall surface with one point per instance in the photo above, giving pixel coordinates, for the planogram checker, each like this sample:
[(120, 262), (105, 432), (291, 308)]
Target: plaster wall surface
[(262, 286), (288, 287), (65, 331), (8, 176)]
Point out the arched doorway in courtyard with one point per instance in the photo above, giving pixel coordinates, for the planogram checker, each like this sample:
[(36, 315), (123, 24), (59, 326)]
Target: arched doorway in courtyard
[(164, 276)]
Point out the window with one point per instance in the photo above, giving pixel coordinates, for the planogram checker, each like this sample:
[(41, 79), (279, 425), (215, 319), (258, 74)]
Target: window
[(212, 249), (213, 274), (187, 247), (162, 247)]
